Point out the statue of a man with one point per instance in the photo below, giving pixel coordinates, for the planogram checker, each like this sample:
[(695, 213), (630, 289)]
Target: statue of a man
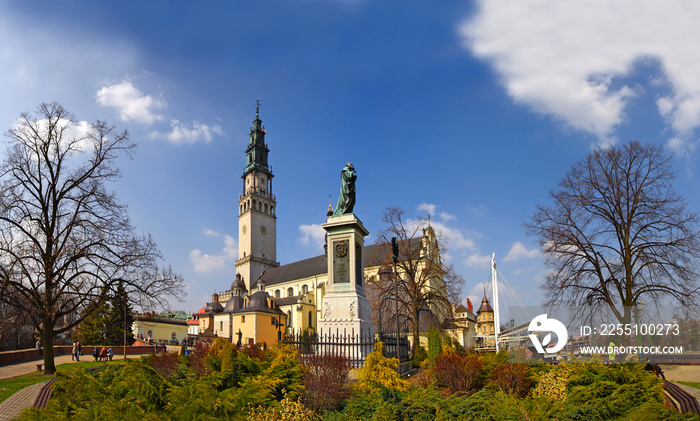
[(346, 201)]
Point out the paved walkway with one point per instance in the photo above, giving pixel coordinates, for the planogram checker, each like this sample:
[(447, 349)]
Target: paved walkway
[(11, 407)]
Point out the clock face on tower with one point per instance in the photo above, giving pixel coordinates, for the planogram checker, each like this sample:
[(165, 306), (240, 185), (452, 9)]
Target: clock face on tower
[(263, 230), (244, 229)]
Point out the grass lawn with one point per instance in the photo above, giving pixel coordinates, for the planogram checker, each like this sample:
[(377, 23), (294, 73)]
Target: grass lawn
[(12, 385), (691, 384)]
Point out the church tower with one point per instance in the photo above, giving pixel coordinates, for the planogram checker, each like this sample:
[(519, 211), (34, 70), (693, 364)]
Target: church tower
[(257, 211)]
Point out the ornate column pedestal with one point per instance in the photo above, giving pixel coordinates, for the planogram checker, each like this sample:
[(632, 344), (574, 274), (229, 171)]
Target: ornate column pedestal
[(345, 308)]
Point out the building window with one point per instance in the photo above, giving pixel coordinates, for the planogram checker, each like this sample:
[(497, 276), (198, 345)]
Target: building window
[(221, 325), (274, 321), (290, 291), (242, 319), (277, 293), (304, 289), (311, 319), (173, 337)]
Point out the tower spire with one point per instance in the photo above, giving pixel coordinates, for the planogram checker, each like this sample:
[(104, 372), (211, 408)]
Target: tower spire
[(257, 210)]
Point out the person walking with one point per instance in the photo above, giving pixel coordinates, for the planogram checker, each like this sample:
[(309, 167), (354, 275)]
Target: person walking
[(38, 346), (73, 351), (79, 350)]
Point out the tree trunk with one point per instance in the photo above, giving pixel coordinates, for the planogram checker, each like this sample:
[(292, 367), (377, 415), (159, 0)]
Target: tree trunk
[(47, 342)]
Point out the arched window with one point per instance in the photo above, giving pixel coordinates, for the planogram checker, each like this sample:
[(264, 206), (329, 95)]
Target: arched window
[(272, 210), (265, 207), (277, 293), (311, 319), (290, 291), (173, 337), (304, 289)]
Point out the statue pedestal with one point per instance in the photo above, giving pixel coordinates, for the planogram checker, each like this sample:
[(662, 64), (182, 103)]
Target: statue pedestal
[(345, 308)]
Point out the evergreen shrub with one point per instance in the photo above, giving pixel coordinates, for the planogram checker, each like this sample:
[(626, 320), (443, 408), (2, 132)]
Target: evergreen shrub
[(380, 373), (419, 355)]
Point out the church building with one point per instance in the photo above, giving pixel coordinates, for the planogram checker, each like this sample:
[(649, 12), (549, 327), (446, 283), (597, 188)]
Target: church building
[(267, 300)]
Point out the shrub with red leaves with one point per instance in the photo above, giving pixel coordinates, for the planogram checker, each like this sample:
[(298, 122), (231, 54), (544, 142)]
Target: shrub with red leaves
[(196, 360), (165, 363), (457, 373), (511, 378), (256, 351), (325, 378)]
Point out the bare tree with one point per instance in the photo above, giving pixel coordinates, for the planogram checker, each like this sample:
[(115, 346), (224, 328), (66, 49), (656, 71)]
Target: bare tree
[(66, 241), (426, 285), (617, 233), (16, 327)]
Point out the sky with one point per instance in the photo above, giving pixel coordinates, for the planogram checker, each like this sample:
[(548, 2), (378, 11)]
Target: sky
[(470, 111)]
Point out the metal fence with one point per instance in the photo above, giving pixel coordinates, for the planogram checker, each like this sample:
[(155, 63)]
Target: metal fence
[(350, 345), (353, 347), (390, 348)]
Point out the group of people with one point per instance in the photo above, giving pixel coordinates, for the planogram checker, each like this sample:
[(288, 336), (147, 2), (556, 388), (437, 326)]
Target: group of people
[(103, 354), (77, 351), (100, 354)]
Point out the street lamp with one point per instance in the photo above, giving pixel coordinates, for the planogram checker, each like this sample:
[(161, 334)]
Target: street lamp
[(278, 324), (395, 256), (384, 278)]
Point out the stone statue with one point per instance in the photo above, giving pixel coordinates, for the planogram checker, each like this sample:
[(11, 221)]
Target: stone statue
[(239, 334), (346, 201)]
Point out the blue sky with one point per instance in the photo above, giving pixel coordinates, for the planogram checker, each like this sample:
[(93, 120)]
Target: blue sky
[(471, 111)]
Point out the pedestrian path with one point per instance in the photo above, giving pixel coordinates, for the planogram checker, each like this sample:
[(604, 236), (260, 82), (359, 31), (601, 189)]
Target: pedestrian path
[(11, 407)]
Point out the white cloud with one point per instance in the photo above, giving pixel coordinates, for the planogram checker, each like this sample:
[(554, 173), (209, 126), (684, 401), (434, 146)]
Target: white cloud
[(132, 104), (74, 133), (518, 250), (559, 57), (476, 260), (213, 263), (447, 217), (188, 133), (428, 207), (453, 237), (312, 233)]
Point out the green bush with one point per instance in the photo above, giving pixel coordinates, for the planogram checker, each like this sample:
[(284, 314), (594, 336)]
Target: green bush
[(380, 373), (434, 344), (419, 355)]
